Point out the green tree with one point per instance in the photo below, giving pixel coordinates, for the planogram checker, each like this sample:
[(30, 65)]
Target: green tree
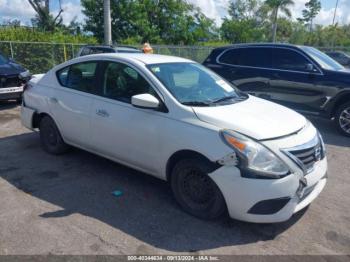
[(276, 6), (244, 31), (246, 22), (313, 7), (44, 19), (243, 9), (156, 21)]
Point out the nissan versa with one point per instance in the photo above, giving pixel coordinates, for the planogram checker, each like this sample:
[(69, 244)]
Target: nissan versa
[(172, 118)]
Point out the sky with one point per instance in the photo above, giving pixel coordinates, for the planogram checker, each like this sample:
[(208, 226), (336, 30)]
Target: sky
[(215, 9)]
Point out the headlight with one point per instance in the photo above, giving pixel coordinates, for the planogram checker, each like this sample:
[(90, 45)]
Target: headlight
[(25, 75), (255, 158), (323, 147)]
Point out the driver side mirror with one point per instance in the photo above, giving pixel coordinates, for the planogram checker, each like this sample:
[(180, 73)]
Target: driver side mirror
[(310, 68), (146, 101)]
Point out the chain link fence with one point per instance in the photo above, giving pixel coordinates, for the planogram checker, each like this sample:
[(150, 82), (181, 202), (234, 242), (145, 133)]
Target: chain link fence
[(39, 57)]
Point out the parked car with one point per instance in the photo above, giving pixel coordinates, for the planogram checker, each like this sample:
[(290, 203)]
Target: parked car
[(12, 78), (98, 49), (341, 57), (172, 118), (300, 77)]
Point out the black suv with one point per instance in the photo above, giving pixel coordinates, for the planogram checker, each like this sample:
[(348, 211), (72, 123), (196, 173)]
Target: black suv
[(300, 77)]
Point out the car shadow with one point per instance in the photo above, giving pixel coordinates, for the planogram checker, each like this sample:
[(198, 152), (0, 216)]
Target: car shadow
[(329, 132), (80, 182), (8, 104)]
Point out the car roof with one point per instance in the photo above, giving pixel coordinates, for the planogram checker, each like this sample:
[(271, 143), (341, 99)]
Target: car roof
[(118, 47), (140, 57), (259, 45)]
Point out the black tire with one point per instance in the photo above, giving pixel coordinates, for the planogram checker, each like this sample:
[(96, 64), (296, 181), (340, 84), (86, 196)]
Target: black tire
[(195, 191), (342, 116), (50, 137)]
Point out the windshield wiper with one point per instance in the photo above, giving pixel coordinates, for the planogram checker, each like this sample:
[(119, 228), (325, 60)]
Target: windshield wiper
[(225, 98), (197, 103)]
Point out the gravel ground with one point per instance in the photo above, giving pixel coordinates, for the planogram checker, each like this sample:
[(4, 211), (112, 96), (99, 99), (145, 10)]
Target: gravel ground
[(63, 205)]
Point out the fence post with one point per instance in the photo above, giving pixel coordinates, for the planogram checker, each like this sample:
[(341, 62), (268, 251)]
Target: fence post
[(73, 55), (53, 55), (64, 52), (11, 49)]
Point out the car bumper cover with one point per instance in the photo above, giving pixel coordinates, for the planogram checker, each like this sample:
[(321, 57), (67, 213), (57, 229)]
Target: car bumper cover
[(268, 200)]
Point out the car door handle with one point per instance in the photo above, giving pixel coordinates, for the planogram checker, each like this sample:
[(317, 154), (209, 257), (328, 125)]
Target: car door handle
[(102, 112), (53, 100), (276, 75)]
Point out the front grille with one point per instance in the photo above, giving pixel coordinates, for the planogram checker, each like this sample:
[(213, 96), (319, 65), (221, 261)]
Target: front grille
[(307, 155), (9, 81)]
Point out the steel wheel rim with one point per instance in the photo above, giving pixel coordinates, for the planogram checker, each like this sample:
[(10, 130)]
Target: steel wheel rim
[(197, 189), (51, 136), (344, 120)]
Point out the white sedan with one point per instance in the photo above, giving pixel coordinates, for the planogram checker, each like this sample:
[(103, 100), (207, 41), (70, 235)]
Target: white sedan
[(172, 118)]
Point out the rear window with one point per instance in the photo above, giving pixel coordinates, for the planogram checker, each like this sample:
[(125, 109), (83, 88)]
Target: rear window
[(248, 56)]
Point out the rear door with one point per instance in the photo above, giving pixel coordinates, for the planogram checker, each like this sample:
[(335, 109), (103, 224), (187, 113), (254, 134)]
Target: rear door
[(293, 83), (245, 68), (72, 99)]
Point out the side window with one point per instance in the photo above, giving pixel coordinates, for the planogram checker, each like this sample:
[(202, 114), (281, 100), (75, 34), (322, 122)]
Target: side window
[(232, 57), (289, 60), (121, 82), (250, 56), (62, 76), (79, 77)]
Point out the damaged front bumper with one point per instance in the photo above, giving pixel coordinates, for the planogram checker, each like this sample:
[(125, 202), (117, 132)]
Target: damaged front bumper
[(268, 200)]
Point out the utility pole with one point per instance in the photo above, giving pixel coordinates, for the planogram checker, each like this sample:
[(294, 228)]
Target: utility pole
[(335, 13), (107, 22)]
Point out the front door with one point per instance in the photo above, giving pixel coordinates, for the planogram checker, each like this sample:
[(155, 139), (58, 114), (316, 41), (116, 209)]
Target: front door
[(118, 129), (296, 81)]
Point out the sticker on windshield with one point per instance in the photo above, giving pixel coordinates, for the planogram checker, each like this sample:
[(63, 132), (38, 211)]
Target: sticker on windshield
[(224, 85)]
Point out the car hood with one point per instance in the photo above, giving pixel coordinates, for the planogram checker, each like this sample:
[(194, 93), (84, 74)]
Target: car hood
[(10, 69), (254, 117)]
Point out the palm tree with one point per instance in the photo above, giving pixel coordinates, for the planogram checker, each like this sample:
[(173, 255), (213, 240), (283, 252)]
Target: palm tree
[(275, 6)]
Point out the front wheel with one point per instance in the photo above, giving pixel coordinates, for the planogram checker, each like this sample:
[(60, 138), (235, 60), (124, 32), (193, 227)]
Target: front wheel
[(51, 139), (342, 118), (195, 191)]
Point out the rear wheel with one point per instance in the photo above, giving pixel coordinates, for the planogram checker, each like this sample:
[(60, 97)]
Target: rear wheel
[(51, 139), (342, 118), (195, 191)]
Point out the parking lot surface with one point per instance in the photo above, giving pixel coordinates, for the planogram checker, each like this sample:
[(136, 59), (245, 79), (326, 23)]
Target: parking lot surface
[(63, 205)]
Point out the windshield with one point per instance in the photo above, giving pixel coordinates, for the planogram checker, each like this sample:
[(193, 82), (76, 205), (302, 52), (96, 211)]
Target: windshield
[(193, 84), (322, 59), (3, 60)]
